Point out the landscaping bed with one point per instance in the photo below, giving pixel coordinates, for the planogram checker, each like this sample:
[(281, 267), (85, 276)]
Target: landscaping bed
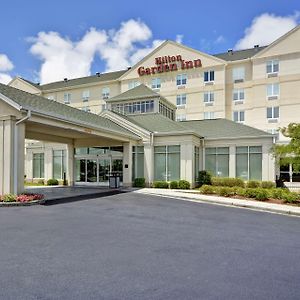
[(22, 199)]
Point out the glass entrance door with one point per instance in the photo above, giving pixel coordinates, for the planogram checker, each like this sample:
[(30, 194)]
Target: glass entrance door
[(103, 170), (91, 170), (117, 167)]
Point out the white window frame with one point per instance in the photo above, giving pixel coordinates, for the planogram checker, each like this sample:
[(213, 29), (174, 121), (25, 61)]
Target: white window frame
[(181, 117), (240, 95), (181, 100), (132, 84), (272, 109), (67, 98), (272, 63), (271, 87), (238, 74), (239, 114), (156, 83), (209, 72), (85, 95), (181, 79), (105, 92), (208, 97), (86, 109), (209, 115)]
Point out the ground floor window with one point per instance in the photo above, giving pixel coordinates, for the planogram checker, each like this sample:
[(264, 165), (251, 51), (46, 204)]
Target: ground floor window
[(59, 163), (137, 162), (38, 165), (217, 161), (196, 161), (249, 162), (287, 173), (167, 163)]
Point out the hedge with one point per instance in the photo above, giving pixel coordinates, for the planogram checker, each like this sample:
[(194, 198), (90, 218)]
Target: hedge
[(161, 184), (52, 182), (139, 182), (227, 181)]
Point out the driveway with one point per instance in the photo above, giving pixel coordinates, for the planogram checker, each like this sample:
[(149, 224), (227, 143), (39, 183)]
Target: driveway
[(132, 246)]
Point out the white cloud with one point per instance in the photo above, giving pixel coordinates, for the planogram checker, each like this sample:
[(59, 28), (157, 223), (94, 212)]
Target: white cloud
[(61, 57), (179, 38), (220, 39), (265, 29), (5, 66)]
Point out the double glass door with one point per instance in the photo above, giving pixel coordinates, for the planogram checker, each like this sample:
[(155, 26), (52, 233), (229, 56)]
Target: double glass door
[(97, 170)]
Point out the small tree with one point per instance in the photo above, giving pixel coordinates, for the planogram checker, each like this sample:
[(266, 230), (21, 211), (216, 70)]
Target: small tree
[(289, 153)]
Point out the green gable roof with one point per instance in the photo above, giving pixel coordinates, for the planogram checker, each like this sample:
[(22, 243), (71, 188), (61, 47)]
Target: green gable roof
[(52, 108)]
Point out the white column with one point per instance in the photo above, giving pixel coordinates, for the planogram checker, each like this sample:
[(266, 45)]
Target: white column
[(48, 159), (268, 164), (127, 164), (148, 164), (187, 162), (232, 162), (20, 157), (70, 164)]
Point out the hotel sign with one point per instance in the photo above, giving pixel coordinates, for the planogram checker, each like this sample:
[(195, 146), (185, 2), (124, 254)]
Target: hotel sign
[(169, 64)]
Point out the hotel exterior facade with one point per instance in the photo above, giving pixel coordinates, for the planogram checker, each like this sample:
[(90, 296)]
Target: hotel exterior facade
[(230, 105)]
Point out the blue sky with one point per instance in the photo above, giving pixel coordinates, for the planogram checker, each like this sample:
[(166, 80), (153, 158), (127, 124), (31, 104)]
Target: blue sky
[(28, 49)]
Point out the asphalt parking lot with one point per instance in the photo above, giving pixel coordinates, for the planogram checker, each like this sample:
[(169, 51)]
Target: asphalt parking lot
[(132, 246)]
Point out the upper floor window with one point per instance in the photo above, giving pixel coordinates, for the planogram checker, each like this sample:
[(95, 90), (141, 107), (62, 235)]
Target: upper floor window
[(208, 97), (181, 79), (51, 97), (181, 117), (105, 92), (67, 98), (238, 74), (273, 112), (132, 84), (209, 76), (238, 95), (239, 116), (156, 83), (272, 66), (273, 91), (181, 100), (86, 95), (208, 115)]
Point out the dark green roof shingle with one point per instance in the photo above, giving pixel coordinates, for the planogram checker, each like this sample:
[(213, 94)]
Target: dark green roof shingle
[(239, 54)]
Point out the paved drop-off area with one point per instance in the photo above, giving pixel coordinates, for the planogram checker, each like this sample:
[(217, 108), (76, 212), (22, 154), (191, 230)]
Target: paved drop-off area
[(133, 246)]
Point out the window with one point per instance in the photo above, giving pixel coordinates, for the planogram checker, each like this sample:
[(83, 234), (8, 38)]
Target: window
[(217, 161), (156, 84), (166, 111), (209, 76), (249, 162), (181, 117), (59, 164), (238, 95), (181, 79), (208, 97), (67, 98), (134, 107), (85, 95), (51, 97), (272, 66), (181, 100), (137, 162), (239, 116), (86, 109), (167, 163), (273, 91), (273, 112), (132, 84), (105, 92), (238, 74), (38, 165), (208, 115)]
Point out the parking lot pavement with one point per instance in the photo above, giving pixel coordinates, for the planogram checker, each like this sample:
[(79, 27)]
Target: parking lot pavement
[(133, 246)]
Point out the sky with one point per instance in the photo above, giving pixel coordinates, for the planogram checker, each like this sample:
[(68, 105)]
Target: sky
[(45, 41)]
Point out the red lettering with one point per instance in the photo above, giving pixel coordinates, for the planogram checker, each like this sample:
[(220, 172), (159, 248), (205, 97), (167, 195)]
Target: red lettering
[(178, 58), (141, 71), (189, 64), (197, 63), (153, 70), (158, 60)]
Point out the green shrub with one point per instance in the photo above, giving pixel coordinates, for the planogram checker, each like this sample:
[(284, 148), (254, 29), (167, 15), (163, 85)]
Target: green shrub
[(52, 182), (240, 192), (250, 193), (291, 197), (139, 182), (226, 191), (41, 182), (204, 177), (261, 194), (278, 193), (184, 185), (174, 185), (161, 184), (9, 198), (207, 189), (268, 184), (227, 181), (253, 184)]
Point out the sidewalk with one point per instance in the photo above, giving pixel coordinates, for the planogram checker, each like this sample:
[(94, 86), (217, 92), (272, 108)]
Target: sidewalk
[(190, 195)]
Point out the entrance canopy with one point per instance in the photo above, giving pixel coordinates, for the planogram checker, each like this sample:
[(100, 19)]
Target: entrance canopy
[(23, 115)]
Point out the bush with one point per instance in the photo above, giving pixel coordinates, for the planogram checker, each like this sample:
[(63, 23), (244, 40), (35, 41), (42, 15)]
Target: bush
[(278, 193), (204, 177), (268, 184), (253, 184), (41, 182), (9, 198), (207, 189), (139, 182), (52, 182), (261, 194), (161, 184), (227, 181), (226, 191), (184, 185), (174, 185), (250, 193), (291, 197)]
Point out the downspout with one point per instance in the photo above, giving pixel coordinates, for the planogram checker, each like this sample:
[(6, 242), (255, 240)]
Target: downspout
[(203, 154), (16, 150)]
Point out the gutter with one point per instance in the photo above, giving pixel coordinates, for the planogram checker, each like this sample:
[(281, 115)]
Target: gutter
[(16, 149)]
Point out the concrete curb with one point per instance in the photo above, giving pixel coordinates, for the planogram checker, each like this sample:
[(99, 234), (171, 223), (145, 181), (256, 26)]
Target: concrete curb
[(248, 204)]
